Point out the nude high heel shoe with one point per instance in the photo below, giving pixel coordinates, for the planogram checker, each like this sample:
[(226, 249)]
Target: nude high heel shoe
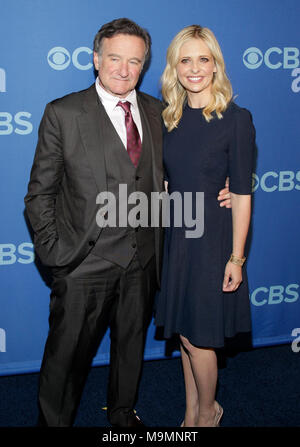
[(217, 419), (218, 415)]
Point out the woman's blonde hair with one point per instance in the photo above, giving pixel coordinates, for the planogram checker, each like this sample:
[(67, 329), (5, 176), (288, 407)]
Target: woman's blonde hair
[(174, 94)]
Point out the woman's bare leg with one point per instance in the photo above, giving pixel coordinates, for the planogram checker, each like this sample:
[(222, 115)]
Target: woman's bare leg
[(191, 392), (200, 375)]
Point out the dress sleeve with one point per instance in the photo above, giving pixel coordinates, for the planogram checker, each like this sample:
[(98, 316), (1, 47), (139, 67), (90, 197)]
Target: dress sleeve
[(241, 153)]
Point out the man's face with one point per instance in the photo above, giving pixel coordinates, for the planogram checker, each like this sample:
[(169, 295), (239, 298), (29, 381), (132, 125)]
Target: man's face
[(120, 63)]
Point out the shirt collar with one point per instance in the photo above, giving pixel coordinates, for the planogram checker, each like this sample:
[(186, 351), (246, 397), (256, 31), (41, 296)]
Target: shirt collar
[(110, 101)]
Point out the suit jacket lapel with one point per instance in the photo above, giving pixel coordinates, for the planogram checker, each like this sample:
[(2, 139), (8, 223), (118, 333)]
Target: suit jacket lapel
[(90, 129), (94, 136), (152, 121)]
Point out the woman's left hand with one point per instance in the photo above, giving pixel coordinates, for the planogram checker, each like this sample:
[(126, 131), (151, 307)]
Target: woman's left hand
[(232, 277)]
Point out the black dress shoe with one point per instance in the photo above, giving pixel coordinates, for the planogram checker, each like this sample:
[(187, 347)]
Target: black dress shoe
[(131, 420), (134, 421)]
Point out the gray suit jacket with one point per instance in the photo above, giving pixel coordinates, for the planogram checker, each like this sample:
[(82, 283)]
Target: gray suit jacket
[(68, 172)]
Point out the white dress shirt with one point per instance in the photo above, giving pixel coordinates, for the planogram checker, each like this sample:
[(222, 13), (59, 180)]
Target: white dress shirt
[(117, 114)]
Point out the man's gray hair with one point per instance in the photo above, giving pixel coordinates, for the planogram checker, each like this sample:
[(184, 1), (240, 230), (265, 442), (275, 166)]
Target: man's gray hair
[(122, 26)]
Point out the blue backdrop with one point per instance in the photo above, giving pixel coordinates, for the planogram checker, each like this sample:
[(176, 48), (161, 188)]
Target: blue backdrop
[(46, 53)]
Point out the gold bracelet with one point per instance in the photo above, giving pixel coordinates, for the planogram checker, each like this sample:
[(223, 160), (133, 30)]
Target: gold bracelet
[(236, 260)]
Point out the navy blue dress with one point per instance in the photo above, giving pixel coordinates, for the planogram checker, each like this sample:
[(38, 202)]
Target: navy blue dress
[(198, 156)]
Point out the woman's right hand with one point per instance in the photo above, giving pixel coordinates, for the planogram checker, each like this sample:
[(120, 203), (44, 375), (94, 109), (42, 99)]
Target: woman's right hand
[(232, 277)]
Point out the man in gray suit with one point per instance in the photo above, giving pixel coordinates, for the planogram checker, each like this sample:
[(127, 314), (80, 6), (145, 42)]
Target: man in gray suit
[(101, 276)]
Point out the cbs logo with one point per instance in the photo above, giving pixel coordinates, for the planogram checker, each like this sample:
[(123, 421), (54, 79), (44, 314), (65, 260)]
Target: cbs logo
[(275, 295), (18, 123), (59, 58), (276, 181), (10, 253), (273, 58)]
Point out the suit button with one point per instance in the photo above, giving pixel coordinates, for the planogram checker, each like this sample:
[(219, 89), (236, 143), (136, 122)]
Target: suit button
[(91, 243), (137, 177), (133, 245)]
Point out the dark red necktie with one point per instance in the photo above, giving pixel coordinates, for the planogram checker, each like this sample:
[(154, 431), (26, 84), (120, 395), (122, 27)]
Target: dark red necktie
[(134, 145)]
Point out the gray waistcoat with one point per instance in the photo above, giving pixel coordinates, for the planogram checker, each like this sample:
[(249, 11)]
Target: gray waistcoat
[(119, 244)]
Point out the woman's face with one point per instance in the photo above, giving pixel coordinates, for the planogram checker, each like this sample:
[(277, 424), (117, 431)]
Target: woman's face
[(195, 70)]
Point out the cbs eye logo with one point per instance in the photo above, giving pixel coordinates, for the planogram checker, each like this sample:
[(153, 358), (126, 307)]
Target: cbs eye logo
[(253, 58), (59, 58)]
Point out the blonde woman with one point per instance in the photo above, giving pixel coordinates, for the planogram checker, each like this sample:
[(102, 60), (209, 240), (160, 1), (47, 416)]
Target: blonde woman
[(204, 292)]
